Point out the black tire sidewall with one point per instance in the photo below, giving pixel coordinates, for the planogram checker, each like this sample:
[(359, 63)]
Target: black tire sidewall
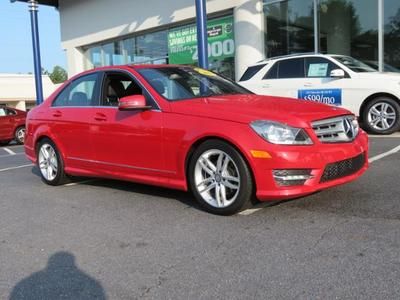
[(246, 181), (387, 100), (60, 177)]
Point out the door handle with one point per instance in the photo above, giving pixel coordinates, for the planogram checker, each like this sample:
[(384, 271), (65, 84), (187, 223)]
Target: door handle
[(266, 85), (308, 84), (57, 114), (100, 117)]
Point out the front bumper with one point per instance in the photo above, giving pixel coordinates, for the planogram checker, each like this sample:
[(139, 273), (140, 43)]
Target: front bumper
[(316, 157)]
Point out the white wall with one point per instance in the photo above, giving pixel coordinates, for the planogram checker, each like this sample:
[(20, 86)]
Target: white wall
[(19, 89), (85, 22)]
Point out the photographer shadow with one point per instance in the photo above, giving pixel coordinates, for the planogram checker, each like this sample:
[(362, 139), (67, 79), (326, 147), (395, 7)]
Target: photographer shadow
[(61, 279)]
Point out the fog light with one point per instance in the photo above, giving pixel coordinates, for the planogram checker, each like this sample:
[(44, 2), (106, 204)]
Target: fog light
[(291, 177)]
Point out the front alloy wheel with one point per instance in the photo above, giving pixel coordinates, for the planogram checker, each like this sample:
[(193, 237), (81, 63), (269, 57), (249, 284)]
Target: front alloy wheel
[(382, 116), (50, 163), (220, 178)]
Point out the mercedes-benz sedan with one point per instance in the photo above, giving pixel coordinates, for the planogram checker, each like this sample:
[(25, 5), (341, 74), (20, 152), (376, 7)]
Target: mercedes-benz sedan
[(187, 128)]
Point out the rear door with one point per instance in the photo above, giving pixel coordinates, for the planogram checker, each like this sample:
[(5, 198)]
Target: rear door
[(284, 78), (71, 115)]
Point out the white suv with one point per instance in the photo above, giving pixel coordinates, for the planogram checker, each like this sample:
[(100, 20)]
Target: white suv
[(331, 79)]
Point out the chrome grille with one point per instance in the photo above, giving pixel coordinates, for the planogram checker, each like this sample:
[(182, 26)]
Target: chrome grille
[(336, 130)]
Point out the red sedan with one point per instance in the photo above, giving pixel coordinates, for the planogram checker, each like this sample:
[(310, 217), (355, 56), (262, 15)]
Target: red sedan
[(190, 129), (12, 125)]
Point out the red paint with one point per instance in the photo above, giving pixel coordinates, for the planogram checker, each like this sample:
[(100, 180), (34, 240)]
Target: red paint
[(10, 123), (152, 146)]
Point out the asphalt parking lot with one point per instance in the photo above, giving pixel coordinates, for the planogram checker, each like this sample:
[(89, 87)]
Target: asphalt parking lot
[(116, 240)]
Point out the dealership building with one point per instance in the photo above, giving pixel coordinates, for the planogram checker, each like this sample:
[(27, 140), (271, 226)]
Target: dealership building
[(240, 32)]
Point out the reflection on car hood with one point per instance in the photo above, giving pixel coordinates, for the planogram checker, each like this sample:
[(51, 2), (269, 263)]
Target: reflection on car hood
[(247, 108)]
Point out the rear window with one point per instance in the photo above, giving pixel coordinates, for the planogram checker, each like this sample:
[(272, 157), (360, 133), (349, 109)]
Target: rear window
[(272, 72), (251, 71)]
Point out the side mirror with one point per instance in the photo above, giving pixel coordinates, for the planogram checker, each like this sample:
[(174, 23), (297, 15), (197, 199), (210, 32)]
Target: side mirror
[(133, 102), (337, 73)]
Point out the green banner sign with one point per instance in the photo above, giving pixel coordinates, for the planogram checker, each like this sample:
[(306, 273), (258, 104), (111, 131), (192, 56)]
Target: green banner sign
[(182, 42)]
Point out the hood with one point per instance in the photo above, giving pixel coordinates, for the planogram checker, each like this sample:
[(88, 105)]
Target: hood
[(248, 108), (377, 75)]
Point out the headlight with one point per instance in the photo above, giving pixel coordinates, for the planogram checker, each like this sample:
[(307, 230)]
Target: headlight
[(278, 133)]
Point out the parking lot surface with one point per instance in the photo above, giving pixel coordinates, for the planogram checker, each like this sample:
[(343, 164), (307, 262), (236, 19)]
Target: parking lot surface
[(104, 239)]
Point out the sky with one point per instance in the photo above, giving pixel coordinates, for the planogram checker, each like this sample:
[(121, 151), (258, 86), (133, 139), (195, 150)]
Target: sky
[(16, 40)]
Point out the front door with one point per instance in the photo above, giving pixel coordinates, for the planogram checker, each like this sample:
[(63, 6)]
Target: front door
[(127, 142), (318, 86)]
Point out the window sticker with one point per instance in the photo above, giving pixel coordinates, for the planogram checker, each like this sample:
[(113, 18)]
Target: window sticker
[(318, 70), (325, 96)]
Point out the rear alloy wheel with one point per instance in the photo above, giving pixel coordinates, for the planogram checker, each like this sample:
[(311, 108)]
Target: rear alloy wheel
[(382, 116), (220, 178), (20, 135), (50, 163)]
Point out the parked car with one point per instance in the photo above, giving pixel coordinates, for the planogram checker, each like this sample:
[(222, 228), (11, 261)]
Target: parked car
[(332, 79), (190, 129), (12, 125)]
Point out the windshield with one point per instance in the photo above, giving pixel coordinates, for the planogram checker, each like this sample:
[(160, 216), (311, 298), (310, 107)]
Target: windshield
[(177, 83), (354, 64)]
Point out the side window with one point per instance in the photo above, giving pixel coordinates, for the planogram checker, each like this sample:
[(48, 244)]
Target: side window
[(317, 67), (291, 68), (251, 71), (10, 112), (81, 92), (272, 73), (119, 85), (3, 112)]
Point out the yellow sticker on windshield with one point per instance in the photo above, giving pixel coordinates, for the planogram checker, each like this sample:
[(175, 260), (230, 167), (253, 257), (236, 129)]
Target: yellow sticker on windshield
[(204, 72)]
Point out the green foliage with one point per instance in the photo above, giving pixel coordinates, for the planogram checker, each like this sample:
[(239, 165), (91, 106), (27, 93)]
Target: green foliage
[(58, 75)]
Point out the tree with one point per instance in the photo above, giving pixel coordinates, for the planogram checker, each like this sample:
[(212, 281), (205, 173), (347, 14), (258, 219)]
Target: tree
[(58, 75)]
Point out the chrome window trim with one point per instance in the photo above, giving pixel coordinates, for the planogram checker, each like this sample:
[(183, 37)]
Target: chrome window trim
[(103, 106)]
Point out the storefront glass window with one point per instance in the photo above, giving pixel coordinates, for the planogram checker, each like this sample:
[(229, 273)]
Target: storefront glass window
[(108, 51), (152, 48), (95, 57), (349, 27), (129, 50), (392, 35), (289, 26), (176, 46), (182, 45)]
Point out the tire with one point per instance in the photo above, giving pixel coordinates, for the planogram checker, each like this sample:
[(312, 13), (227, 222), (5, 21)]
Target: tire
[(50, 163), (381, 116), (19, 135), (4, 143), (217, 166)]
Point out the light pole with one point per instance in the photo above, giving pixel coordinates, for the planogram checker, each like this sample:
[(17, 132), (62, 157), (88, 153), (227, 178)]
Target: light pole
[(33, 9), (201, 23)]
